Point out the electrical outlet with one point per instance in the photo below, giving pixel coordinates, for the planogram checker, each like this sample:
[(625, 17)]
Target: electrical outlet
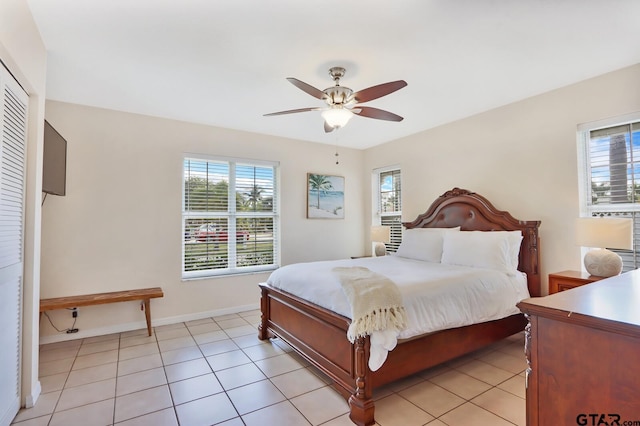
[(74, 312)]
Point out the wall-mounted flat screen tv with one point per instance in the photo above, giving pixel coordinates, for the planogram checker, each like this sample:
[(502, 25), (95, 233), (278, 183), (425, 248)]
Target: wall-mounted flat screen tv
[(54, 173)]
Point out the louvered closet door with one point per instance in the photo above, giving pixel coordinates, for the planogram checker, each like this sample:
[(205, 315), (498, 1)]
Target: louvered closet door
[(13, 116)]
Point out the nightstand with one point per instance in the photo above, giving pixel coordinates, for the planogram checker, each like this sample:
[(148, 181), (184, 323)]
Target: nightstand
[(565, 280)]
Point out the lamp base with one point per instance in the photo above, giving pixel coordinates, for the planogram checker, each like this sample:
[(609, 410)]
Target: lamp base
[(603, 263), (380, 249)]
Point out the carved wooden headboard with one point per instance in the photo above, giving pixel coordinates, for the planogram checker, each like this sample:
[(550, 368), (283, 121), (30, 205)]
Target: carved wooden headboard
[(473, 212)]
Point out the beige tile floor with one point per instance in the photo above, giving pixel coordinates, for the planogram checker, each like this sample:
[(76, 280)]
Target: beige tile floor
[(216, 371)]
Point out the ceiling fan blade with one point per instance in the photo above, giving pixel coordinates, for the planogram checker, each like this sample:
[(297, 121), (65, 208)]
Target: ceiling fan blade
[(378, 114), (292, 111), (316, 93), (378, 91), (327, 128)]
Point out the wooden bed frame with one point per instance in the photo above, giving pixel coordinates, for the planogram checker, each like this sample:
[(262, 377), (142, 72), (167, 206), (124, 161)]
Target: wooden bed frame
[(319, 335)]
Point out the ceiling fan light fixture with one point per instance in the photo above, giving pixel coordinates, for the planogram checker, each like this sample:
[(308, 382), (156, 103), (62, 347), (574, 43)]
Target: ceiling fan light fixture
[(343, 102), (337, 117)]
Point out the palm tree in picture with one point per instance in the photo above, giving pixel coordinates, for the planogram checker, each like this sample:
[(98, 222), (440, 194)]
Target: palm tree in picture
[(320, 184)]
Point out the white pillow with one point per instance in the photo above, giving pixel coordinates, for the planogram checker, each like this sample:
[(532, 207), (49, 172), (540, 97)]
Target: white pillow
[(423, 243), (515, 240), (497, 250)]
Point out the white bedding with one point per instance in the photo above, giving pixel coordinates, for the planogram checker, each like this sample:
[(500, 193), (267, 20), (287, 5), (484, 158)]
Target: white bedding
[(436, 296)]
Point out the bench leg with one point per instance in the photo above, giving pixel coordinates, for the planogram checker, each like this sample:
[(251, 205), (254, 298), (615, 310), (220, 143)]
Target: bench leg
[(147, 314)]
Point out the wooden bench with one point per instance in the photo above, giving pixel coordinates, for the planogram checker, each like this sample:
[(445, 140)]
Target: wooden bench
[(144, 294)]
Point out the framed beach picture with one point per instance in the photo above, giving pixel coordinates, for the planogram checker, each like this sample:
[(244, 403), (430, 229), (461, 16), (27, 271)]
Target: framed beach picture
[(325, 196)]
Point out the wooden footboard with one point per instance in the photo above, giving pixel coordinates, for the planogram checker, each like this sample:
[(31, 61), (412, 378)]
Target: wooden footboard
[(320, 336)]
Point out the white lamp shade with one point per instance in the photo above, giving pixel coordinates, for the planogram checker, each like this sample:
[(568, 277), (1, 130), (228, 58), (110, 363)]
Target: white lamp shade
[(605, 232), (337, 117), (381, 233)]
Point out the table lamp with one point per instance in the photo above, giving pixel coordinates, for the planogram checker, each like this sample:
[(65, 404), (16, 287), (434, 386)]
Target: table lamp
[(604, 233), (379, 236)]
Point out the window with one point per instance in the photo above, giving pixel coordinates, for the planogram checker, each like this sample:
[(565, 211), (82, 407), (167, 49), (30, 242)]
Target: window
[(611, 176), (388, 203), (229, 216)]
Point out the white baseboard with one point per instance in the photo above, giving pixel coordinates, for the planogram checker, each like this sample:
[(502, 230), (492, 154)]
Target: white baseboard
[(30, 400), (119, 328)]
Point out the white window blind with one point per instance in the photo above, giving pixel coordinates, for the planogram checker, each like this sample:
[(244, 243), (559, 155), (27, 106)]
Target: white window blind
[(389, 204), (611, 174), (230, 218)]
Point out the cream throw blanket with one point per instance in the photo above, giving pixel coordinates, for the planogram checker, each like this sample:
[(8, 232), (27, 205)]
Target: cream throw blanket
[(376, 302)]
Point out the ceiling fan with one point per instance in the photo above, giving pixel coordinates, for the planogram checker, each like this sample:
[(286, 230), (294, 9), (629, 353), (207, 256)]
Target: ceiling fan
[(343, 103)]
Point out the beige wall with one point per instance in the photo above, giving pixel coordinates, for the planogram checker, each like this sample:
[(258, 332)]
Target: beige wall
[(522, 157), (24, 54), (119, 226)]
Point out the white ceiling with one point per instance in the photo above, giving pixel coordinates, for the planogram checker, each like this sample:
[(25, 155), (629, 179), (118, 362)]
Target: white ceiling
[(224, 62)]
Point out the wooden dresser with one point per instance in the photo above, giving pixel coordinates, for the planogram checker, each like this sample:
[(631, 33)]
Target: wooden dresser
[(583, 351)]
